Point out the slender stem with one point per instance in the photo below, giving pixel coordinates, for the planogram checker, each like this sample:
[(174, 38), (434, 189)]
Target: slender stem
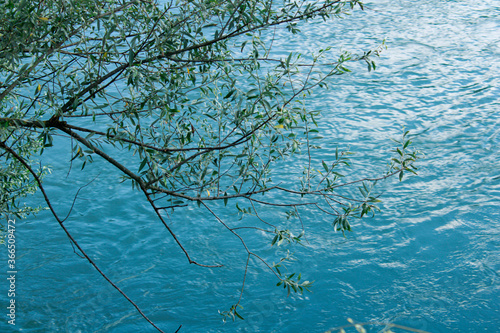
[(157, 211)]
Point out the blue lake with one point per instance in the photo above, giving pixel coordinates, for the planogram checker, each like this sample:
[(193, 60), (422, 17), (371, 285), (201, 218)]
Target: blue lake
[(429, 260)]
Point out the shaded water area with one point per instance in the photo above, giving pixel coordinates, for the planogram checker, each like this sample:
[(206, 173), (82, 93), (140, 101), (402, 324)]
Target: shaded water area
[(430, 260)]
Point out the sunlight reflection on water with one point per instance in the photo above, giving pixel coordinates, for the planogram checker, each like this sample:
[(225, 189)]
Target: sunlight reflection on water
[(429, 260)]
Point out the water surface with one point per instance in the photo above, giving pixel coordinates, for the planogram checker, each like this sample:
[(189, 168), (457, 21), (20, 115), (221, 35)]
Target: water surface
[(429, 260)]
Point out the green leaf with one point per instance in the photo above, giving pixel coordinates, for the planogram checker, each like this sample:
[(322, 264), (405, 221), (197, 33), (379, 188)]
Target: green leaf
[(143, 164), (131, 56), (229, 94), (288, 60), (238, 315), (102, 106), (363, 192), (325, 166)]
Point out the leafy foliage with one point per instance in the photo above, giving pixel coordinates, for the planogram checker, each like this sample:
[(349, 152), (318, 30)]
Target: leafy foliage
[(186, 100), (15, 180)]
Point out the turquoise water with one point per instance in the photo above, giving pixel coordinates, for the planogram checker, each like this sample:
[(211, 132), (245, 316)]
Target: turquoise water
[(429, 260)]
